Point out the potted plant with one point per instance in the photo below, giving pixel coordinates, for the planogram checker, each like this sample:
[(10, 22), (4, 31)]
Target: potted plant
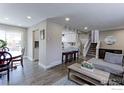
[(2, 44)]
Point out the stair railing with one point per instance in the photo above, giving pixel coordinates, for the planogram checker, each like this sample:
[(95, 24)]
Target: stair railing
[(86, 47), (97, 49)]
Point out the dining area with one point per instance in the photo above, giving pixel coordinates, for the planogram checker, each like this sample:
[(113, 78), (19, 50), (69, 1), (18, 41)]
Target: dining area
[(8, 58)]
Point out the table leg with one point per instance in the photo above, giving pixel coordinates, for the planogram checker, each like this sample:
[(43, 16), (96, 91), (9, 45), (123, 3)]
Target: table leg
[(62, 58), (66, 58), (77, 55), (68, 74), (74, 56)]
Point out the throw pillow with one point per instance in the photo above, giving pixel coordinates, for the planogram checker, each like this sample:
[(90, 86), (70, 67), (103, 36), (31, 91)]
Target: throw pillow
[(114, 58)]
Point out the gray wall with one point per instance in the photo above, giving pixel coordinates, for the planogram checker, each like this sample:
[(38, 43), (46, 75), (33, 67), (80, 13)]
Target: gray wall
[(119, 36)]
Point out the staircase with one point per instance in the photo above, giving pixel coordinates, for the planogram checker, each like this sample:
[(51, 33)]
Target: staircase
[(92, 50)]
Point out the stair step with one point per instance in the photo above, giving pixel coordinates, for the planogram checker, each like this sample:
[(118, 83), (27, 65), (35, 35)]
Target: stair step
[(92, 50), (93, 46), (94, 43), (91, 55)]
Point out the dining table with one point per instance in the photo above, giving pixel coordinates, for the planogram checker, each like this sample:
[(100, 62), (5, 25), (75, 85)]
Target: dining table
[(15, 55)]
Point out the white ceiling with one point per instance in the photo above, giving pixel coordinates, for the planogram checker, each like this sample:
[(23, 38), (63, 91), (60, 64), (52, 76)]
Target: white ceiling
[(94, 16)]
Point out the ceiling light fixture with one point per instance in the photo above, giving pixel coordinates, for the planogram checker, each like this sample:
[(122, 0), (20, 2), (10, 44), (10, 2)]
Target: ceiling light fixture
[(67, 19), (85, 28), (28, 17), (19, 24), (6, 18)]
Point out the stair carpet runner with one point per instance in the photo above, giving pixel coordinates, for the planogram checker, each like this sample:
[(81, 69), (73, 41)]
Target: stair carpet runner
[(92, 50)]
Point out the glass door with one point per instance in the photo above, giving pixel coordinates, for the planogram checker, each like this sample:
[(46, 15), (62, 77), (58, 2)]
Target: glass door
[(13, 38)]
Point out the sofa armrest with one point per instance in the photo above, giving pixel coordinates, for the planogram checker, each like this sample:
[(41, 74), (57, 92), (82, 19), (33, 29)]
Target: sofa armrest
[(123, 68)]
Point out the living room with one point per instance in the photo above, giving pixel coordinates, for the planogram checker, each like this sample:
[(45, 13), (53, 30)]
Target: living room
[(58, 44)]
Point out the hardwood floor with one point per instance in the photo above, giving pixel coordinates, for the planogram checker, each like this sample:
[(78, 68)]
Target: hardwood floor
[(33, 74)]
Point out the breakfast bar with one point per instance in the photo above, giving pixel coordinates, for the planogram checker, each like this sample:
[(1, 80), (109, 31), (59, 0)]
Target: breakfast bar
[(69, 54)]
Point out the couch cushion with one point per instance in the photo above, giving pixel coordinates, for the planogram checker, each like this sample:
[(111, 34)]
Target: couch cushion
[(102, 65), (114, 58), (93, 60)]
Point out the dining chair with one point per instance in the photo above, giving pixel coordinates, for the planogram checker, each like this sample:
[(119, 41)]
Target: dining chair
[(19, 58), (5, 49), (5, 60)]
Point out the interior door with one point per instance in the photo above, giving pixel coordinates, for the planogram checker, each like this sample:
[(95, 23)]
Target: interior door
[(36, 45)]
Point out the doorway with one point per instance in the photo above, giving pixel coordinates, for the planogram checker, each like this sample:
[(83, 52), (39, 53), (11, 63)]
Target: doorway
[(94, 36), (36, 45)]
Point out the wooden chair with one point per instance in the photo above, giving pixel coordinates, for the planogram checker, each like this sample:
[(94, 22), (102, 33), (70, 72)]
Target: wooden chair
[(19, 58), (5, 59), (5, 49)]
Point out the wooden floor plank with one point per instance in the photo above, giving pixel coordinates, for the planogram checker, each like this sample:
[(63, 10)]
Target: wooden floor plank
[(33, 74)]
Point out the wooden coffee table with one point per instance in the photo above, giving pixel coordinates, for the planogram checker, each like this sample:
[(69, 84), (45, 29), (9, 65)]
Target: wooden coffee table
[(79, 75)]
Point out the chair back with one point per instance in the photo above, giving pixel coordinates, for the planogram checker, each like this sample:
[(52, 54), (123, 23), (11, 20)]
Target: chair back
[(23, 51), (5, 49), (5, 59)]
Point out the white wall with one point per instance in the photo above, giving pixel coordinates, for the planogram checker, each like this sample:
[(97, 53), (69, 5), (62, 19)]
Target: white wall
[(50, 49), (40, 26), (69, 36), (95, 36), (53, 44), (30, 44), (42, 45), (82, 39), (83, 36)]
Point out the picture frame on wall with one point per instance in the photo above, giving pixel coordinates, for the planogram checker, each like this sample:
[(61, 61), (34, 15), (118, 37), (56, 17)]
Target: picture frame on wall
[(42, 34)]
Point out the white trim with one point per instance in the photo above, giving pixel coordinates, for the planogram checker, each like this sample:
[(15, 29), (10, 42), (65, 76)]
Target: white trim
[(43, 66), (86, 47), (29, 58), (97, 50), (25, 57), (51, 65), (54, 64)]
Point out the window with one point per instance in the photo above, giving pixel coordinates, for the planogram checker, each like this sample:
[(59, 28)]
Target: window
[(13, 38)]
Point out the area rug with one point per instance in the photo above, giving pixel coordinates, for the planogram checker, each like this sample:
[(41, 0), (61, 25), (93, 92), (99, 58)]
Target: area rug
[(113, 80), (65, 81)]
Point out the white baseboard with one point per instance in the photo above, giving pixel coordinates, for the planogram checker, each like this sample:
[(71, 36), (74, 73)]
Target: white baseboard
[(43, 66), (29, 58), (54, 64), (50, 65), (25, 57)]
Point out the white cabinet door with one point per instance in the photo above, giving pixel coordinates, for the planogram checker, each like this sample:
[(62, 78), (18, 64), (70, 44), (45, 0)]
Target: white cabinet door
[(69, 37)]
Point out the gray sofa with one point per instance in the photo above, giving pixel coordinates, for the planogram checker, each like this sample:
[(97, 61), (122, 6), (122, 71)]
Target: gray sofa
[(112, 63)]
